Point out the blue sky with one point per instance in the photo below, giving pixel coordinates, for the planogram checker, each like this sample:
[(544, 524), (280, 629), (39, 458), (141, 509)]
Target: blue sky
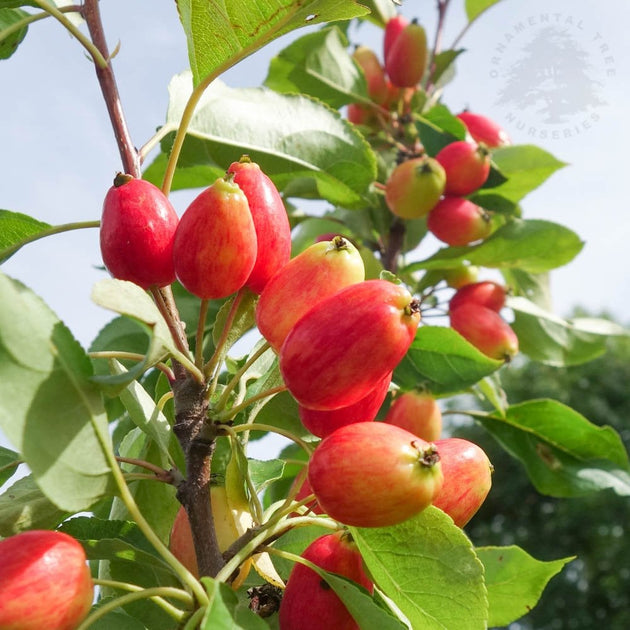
[(59, 154)]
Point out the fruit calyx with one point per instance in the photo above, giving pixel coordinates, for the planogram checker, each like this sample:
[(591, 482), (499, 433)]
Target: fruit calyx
[(122, 178), (413, 307), (337, 243), (428, 456)]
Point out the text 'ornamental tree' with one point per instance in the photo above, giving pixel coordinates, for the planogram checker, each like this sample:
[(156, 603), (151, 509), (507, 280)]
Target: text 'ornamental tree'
[(358, 523)]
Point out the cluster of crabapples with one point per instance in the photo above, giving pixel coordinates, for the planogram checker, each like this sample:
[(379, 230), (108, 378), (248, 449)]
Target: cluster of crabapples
[(338, 338), (437, 188)]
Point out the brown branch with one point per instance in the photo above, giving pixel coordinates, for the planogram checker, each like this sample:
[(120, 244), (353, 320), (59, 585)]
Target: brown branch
[(197, 438), (394, 245), (107, 81)]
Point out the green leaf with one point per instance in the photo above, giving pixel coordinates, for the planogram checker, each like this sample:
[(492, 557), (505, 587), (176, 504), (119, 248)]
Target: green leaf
[(155, 500), (564, 454), (282, 412), (444, 68), (119, 542), (474, 8), (428, 567), (148, 418), (244, 319), (224, 612), (9, 463), (535, 287), (264, 472), (116, 618), (438, 128), (442, 361), (315, 153), (127, 298), (549, 339), (16, 228), (319, 64), (49, 409), (24, 506), (10, 43), (240, 27), (381, 11), (532, 245), (441, 117), (524, 167), (515, 581)]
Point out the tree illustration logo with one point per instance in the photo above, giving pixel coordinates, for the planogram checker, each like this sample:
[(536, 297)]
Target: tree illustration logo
[(551, 76)]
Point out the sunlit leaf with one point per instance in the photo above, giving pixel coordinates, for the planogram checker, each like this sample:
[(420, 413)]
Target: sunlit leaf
[(428, 567), (515, 581), (240, 27)]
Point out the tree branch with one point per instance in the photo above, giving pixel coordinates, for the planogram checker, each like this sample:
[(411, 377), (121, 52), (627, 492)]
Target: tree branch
[(107, 81)]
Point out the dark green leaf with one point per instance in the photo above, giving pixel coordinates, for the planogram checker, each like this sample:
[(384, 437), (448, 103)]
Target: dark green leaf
[(49, 409), (515, 581), (9, 463), (23, 506), (282, 412), (9, 43), (442, 361), (223, 610), (532, 245), (156, 500), (238, 28), (118, 619), (564, 454), (550, 339), (428, 567), (315, 153), (320, 65), (434, 137), (441, 117)]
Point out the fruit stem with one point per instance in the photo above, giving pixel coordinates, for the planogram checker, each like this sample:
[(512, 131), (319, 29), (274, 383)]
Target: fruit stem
[(219, 351), (97, 55), (165, 303), (157, 594), (131, 356), (180, 570), (159, 472), (259, 536), (228, 414), (57, 229), (201, 327), (234, 381), (256, 426)]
